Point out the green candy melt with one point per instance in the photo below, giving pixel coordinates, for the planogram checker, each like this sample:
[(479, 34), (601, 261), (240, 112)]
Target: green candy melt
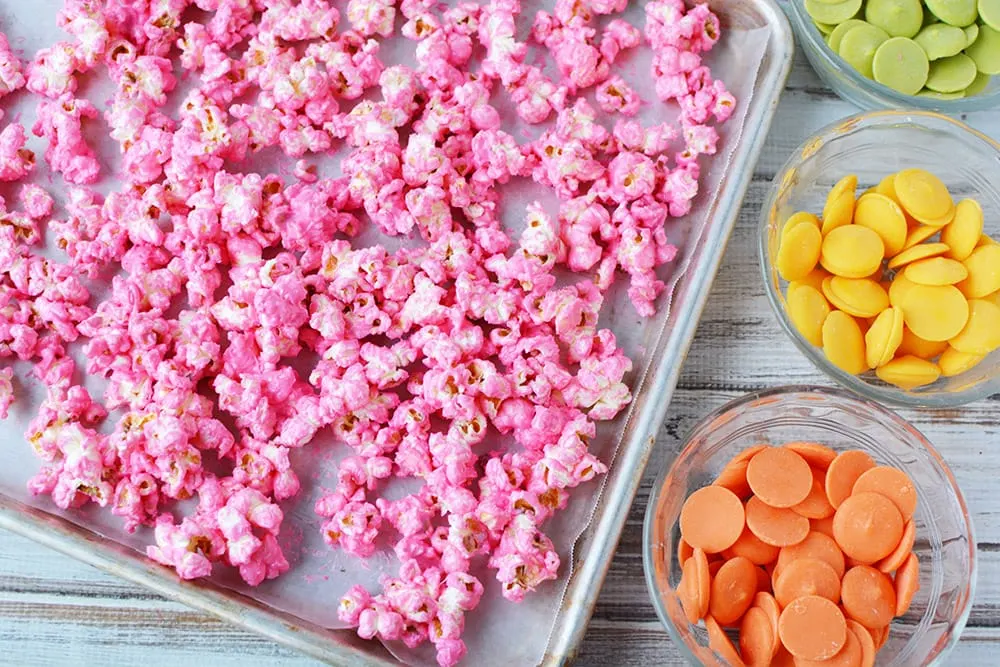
[(971, 34), (859, 45), (941, 96), (902, 65), (985, 51), (838, 33), (941, 40), (989, 13), (952, 74), (954, 12), (979, 85), (899, 18), (823, 12)]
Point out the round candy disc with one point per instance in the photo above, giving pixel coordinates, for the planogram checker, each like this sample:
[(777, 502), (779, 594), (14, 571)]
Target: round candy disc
[(884, 217), (936, 271), (852, 251), (935, 313), (843, 343), (902, 65), (807, 309), (952, 74), (838, 33), (984, 272), (954, 12), (832, 13), (825, 28), (859, 44), (860, 297), (941, 40), (923, 195), (930, 94), (989, 12), (919, 251), (971, 33), (799, 251), (909, 372), (981, 334), (985, 51), (953, 362), (963, 233), (978, 85), (839, 210), (919, 234), (884, 337), (798, 218), (899, 18)]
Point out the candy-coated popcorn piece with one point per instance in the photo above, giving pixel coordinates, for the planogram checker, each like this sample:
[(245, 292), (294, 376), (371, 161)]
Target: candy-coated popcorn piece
[(11, 69), (16, 161)]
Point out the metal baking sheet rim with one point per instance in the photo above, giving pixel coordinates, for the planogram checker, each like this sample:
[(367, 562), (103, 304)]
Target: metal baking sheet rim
[(595, 548)]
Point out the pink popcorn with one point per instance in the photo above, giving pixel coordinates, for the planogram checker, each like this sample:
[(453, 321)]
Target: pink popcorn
[(6, 390), (16, 161), (616, 95), (11, 76), (37, 202), (52, 72), (371, 18), (468, 357), (68, 152)]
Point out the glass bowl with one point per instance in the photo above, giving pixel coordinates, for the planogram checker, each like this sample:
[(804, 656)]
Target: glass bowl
[(945, 543), (872, 145), (868, 93)]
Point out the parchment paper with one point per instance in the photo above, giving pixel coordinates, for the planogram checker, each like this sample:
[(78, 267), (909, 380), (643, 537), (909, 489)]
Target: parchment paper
[(498, 632)]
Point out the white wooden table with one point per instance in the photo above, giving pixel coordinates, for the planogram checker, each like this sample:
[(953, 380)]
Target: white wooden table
[(55, 611)]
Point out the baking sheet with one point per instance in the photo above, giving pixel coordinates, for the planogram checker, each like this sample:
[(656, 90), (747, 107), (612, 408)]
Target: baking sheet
[(319, 575)]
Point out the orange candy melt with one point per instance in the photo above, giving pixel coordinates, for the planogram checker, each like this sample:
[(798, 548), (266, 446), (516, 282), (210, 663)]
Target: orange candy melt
[(811, 568)]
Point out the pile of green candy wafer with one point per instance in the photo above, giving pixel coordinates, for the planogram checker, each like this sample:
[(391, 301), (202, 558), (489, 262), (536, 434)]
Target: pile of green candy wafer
[(946, 49)]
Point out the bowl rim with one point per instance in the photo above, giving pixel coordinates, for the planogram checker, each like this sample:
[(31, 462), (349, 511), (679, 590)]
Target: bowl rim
[(806, 28), (751, 398), (886, 394)]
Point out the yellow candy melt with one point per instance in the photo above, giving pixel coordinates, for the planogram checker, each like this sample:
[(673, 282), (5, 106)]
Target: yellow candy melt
[(814, 279), (914, 345), (923, 195), (883, 216), (839, 211), (848, 183), (919, 234), (799, 252), (843, 343), (909, 372), (852, 251), (981, 334), (796, 219), (922, 251), (963, 233), (986, 239), (934, 312), (953, 362), (887, 187), (807, 309), (859, 297), (936, 271), (884, 337), (899, 289), (984, 272)]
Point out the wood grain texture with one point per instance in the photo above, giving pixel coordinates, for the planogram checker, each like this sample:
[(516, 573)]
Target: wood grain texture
[(55, 611)]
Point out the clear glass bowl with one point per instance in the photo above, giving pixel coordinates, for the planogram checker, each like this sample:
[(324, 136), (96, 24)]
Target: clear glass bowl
[(945, 543), (868, 93), (872, 145)]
